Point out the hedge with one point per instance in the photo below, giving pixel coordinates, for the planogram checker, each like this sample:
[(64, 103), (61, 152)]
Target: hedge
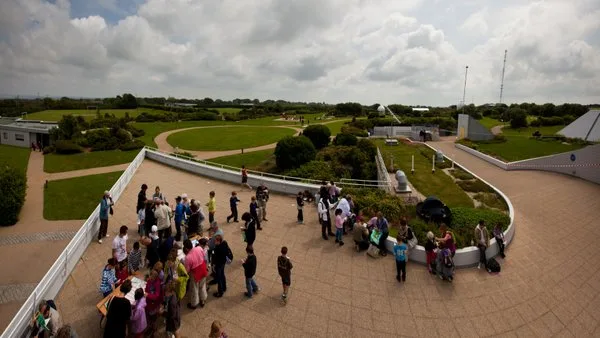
[(67, 147), (344, 139), (474, 186), (135, 144), (14, 186)]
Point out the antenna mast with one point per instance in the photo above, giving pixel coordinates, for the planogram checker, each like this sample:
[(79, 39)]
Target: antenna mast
[(502, 82)]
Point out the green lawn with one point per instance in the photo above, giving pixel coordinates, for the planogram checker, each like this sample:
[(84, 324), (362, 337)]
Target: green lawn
[(490, 122), (228, 110), (438, 183), (335, 127), (227, 138), (76, 198), (251, 160), (55, 163), (56, 115), (16, 157)]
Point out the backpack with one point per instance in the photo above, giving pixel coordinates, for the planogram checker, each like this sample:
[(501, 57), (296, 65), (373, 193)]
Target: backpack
[(493, 266), (447, 260)]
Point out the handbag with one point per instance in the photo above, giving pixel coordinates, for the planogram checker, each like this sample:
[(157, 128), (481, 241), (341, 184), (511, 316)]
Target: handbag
[(111, 211), (375, 236)]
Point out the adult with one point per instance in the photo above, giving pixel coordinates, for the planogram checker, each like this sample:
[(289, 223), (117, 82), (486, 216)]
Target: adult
[(196, 266), (119, 313), (249, 229), (406, 232), (179, 212), (344, 205), (245, 178), (361, 237), (167, 243), (158, 195), (141, 199), (334, 191), (152, 244), (262, 197), (119, 246), (105, 204), (221, 254), (175, 270), (194, 226), (382, 226), (51, 319), (163, 216), (482, 238), (323, 208), (154, 299), (447, 239)]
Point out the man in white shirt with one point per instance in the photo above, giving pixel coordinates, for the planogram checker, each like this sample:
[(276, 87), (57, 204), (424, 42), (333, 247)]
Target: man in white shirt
[(344, 205), (119, 245), (483, 242), (163, 216)]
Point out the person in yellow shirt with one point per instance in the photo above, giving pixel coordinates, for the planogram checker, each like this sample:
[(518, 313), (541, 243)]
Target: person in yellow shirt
[(212, 207)]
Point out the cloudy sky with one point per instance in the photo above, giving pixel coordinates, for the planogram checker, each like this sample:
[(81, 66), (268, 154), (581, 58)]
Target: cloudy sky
[(371, 51)]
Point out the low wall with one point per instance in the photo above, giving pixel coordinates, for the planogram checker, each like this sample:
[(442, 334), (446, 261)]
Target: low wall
[(485, 157)]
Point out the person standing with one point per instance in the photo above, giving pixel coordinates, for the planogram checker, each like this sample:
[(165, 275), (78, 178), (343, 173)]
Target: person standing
[(400, 253), (233, 202), (212, 206), (106, 204), (482, 238), (119, 246), (344, 205), (195, 221), (339, 227), (179, 217), (300, 206), (196, 266), (173, 309), (262, 197), (163, 216), (158, 195), (119, 313), (249, 229), (152, 244), (245, 178), (141, 199), (249, 265), (284, 268), (499, 236), (138, 314), (149, 219), (221, 254), (254, 212), (382, 226), (323, 208)]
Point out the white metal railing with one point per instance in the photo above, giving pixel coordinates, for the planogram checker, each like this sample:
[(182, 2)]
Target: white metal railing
[(382, 173), (57, 275)]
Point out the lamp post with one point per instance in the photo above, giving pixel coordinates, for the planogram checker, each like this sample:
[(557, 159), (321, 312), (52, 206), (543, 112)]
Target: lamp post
[(465, 88)]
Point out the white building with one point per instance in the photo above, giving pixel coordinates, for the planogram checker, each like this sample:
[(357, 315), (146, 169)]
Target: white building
[(22, 133)]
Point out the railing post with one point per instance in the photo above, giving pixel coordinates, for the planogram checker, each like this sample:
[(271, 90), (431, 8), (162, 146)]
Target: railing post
[(66, 262)]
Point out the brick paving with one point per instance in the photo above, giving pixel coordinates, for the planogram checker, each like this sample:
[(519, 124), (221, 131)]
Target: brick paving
[(42, 236), (15, 292), (549, 285)]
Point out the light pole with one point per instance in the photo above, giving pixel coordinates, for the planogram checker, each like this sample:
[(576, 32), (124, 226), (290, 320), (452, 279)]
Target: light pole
[(465, 88)]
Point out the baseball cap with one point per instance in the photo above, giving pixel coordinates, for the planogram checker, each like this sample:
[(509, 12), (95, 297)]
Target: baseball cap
[(154, 228)]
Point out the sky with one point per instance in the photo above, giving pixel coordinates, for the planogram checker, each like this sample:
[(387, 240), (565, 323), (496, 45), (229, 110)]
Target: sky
[(369, 51)]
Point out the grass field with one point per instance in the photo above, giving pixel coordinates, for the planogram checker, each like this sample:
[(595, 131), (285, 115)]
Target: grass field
[(228, 110), (55, 163), (16, 157), (227, 138), (336, 127), (490, 122), (85, 190), (56, 115), (438, 183), (251, 160)]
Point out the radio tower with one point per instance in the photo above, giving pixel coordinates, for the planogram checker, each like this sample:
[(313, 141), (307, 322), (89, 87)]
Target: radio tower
[(502, 82)]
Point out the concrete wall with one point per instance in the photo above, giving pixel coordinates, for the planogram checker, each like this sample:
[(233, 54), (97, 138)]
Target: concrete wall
[(485, 157), (470, 128), (392, 131), (8, 137)]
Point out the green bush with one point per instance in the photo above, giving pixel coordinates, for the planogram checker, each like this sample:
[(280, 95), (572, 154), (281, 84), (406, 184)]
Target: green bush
[(131, 145), (14, 185), (474, 186), (184, 154), (135, 132), (370, 201), (344, 139), (101, 139), (362, 124), (292, 152), (349, 162), (318, 134), (67, 147), (491, 200), (464, 221), (317, 170), (354, 131), (518, 118), (200, 116), (460, 174), (48, 150)]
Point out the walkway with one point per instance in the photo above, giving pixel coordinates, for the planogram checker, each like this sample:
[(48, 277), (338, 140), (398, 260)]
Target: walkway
[(548, 285), (32, 245), (497, 130)]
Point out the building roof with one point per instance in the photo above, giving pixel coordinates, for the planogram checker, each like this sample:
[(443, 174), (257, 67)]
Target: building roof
[(27, 125), (586, 127)]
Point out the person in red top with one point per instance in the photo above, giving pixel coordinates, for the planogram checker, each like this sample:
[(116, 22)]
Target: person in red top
[(122, 272), (245, 178), (195, 264), (153, 300)]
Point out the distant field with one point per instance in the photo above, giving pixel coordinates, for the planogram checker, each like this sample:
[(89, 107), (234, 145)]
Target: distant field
[(56, 115), (228, 110)]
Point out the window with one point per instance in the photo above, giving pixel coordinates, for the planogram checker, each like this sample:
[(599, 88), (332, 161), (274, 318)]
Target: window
[(5, 136), (19, 137)]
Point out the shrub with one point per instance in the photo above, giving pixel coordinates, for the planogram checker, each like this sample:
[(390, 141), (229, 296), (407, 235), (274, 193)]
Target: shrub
[(135, 132), (460, 174), (344, 139), (518, 118), (367, 147), (469, 217), (48, 149), (318, 134), (362, 124), (491, 200), (14, 185), (372, 200), (131, 145), (318, 170), (292, 152), (67, 147), (349, 162), (354, 131), (474, 186), (102, 139), (201, 116)]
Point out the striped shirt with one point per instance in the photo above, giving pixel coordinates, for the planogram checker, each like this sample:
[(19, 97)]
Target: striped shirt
[(135, 260), (108, 279)]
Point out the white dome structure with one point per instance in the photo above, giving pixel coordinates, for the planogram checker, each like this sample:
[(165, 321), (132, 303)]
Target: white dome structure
[(381, 109)]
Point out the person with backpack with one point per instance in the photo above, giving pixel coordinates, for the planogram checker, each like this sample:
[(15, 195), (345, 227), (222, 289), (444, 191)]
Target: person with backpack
[(284, 268), (482, 238), (407, 233), (323, 208), (221, 256)]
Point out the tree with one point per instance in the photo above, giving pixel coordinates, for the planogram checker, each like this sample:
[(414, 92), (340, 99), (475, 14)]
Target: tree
[(67, 127), (518, 118), (128, 101), (292, 152), (318, 134), (345, 139), (208, 100), (14, 185), (348, 108)]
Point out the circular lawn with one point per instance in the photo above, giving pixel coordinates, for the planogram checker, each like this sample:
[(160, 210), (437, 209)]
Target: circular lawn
[(227, 138)]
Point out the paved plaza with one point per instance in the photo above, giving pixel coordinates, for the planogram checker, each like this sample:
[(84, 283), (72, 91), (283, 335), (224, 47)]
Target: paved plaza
[(549, 285)]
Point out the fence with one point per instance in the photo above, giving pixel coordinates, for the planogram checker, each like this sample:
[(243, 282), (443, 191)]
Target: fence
[(57, 276), (382, 173)]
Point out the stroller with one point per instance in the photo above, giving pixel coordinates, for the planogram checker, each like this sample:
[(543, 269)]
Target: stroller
[(445, 265)]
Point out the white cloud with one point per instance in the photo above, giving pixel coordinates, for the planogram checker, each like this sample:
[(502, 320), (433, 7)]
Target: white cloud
[(331, 50)]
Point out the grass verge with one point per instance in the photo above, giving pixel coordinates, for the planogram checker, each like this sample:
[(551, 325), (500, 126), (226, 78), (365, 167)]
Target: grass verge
[(227, 138), (16, 157), (251, 160), (56, 163)]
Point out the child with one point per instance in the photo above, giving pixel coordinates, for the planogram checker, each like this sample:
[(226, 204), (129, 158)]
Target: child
[(254, 212), (233, 202), (430, 252), (446, 265), (138, 314), (135, 258), (216, 330), (107, 285), (173, 308), (249, 265), (159, 268), (212, 206), (300, 205), (122, 272), (154, 299), (339, 226), (284, 267), (499, 236), (400, 250)]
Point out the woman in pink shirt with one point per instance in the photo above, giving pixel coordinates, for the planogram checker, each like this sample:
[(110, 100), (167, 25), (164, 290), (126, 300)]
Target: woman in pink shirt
[(339, 226)]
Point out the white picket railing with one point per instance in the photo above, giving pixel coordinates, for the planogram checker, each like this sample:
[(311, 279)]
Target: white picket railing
[(382, 174)]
